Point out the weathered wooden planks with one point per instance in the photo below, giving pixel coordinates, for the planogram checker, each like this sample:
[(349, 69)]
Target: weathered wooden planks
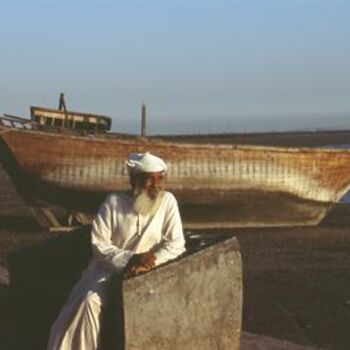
[(11, 203)]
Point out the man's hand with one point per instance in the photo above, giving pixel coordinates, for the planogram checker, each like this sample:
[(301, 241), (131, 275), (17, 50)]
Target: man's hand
[(139, 263)]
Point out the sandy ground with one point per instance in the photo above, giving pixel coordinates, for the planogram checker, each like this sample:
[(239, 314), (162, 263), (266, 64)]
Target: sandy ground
[(296, 281)]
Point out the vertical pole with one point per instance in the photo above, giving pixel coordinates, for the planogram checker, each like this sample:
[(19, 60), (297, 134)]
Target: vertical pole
[(62, 102), (63, 107), (143, 120)]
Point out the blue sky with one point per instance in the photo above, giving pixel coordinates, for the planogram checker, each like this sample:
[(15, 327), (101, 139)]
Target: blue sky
[(199, 66)]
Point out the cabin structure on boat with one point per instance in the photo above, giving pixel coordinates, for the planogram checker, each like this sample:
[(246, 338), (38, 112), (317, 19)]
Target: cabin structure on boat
[(59, 119), (46, 117), (63, 119)]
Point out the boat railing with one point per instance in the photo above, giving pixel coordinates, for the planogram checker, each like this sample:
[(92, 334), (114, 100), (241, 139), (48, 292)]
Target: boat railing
[(13, 121)]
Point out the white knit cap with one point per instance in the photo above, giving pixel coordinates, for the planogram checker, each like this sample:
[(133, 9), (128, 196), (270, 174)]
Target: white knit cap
[(145, 163)]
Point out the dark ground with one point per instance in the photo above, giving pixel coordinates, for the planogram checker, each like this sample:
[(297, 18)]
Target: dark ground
[(296, 280), (285, 139)]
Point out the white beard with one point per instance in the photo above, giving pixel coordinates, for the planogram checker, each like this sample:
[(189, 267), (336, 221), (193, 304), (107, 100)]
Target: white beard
[(143, 204)]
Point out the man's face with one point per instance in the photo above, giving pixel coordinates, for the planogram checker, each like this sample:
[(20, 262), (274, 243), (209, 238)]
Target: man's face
[(146, 188), (152, 183), (149, 183)]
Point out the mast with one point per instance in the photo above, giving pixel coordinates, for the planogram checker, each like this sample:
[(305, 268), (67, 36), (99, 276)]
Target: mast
[(143, 120)]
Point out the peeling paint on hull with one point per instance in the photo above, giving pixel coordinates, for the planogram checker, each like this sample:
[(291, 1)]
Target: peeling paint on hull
[(248, 185)]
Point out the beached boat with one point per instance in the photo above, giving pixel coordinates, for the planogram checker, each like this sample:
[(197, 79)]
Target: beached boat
[(216, 184)]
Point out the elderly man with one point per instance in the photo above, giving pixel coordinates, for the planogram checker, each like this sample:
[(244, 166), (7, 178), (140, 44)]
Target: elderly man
[(132, 233)]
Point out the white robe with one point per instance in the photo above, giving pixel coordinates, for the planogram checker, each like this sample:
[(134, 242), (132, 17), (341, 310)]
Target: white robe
[(117, 233)]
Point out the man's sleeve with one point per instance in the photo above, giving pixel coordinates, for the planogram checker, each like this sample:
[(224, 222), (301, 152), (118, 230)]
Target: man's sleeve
[(173, 243), (109, 256)]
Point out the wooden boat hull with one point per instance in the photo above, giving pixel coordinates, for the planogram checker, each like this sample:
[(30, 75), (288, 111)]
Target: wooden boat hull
[(242, 185), (11, 203)]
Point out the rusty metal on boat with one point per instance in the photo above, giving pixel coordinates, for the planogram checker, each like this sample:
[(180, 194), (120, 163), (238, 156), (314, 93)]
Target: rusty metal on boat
[(246, 185)]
